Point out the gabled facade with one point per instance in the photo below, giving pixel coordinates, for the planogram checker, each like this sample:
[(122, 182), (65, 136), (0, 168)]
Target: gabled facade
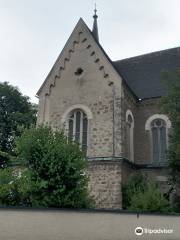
[(84, 78), (111, 109)]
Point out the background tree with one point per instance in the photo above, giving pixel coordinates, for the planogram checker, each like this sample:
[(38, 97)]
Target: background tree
[(56, 168), (16, 111), (171, 105)]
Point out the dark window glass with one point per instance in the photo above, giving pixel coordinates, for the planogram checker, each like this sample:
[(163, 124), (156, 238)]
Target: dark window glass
[(129, 119), (77, 128), (70, 133), (159, 141), (155, 144), (84, 135), (163, 143), (78, 122)]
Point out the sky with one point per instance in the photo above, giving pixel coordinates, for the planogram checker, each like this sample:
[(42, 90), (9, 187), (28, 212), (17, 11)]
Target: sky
[(33, 33)]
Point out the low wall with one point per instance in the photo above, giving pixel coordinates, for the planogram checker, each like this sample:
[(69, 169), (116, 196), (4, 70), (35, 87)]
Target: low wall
[(27, 224)]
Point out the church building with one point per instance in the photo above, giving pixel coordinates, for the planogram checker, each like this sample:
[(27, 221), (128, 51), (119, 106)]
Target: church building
[(110, 108)]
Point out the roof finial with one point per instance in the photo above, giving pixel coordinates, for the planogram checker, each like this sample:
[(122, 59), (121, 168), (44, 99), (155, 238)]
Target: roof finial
[(95, 10), (95, 26)]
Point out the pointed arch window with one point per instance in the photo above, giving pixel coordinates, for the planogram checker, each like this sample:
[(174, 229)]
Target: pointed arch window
[(159, 140), (158, 126), (78, 127)]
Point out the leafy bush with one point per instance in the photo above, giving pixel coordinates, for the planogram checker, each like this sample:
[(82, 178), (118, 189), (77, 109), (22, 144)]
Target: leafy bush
[(136, 183), (151, 200), (142, 194), (176, 203), (56, 167), (4, 159), (14, 187)]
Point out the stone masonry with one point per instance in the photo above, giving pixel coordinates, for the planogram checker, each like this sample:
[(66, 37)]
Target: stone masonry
[(102, 95), (105, 183)]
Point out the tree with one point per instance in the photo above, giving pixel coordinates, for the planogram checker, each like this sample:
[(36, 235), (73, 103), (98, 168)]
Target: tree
[(56, 166), (171, 105), (16, 112)]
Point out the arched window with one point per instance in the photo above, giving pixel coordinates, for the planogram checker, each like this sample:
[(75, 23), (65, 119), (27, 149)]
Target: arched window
[(159, 140), (77, 127), (76, 121), (158, 126), (129, 136)]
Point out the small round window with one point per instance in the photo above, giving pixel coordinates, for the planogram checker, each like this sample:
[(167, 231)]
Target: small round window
[(78, 72)]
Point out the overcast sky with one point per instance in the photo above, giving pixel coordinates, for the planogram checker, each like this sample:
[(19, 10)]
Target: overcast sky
[(33, 33)]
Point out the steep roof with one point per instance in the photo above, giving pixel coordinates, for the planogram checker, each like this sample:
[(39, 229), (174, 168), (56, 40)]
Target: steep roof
[(143, 73)]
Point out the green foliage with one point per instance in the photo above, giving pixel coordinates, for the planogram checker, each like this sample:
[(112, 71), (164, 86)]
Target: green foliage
[(16, 112), (142, 194), (14, 187), (171, 106), (136, 183), (176, 203), (4, 159), (57, 168), (151, 200)]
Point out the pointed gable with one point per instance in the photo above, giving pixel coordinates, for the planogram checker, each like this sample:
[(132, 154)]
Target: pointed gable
[(80, 33)]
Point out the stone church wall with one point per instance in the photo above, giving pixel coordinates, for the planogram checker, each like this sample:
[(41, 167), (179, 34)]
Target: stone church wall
[(106, 179), (100, 92), (105, 183), (141, 111), (160, 175), (129, 102), (92, 90), (145, 109)]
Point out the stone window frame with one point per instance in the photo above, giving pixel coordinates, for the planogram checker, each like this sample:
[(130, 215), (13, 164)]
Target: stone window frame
[(148, 128), (78, 120), (66, 116), (131, 143)]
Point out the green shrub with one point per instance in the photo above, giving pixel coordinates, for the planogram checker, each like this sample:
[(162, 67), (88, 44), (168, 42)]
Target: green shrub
[(151, 200), (4, 159), (14, 187), (141, 194), (56, 167), (136, 183)]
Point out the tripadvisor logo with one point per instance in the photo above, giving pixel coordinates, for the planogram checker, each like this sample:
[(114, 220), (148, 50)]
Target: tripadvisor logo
[(139, 231)]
